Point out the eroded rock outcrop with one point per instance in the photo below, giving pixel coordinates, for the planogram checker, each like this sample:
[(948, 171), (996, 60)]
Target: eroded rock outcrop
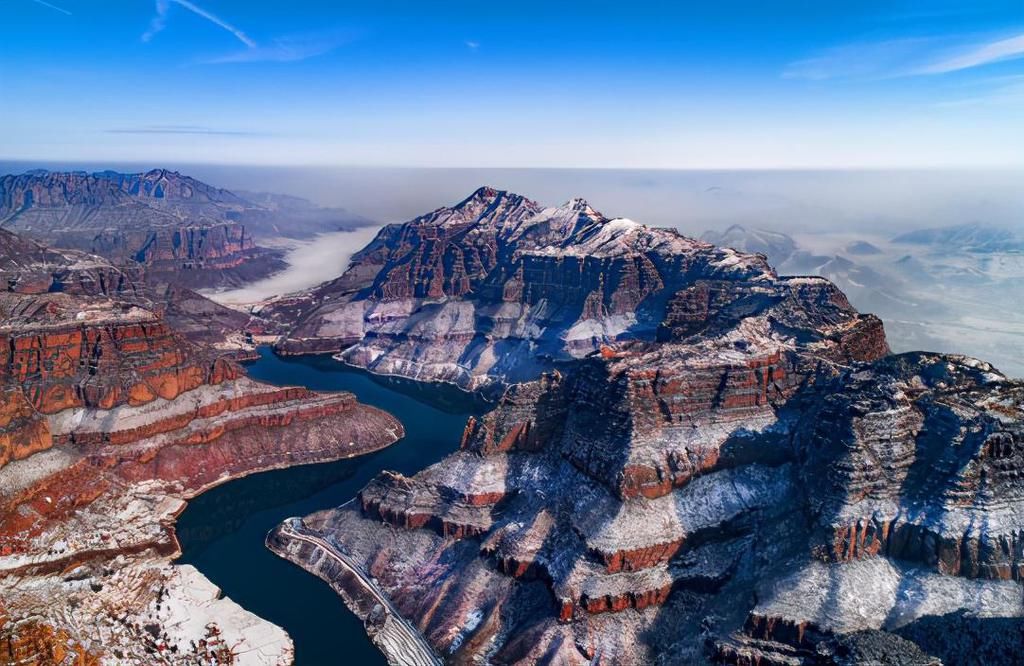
[(28, 267), (715, 463), (110, 419), (925, 454), (738, 541), (496, 289)]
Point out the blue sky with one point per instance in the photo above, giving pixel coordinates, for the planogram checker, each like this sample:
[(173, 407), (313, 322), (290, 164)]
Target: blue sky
[(589, 84)]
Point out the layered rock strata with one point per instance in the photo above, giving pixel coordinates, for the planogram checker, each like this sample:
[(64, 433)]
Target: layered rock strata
[(28, 267), (497, 289), (537, 543), (740, 474), (109, 421)]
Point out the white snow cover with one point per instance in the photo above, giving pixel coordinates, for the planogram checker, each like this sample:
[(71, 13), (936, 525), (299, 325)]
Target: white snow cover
[(193, 604), (876, 593)]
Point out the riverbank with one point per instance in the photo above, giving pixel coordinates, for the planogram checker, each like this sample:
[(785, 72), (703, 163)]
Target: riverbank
[(222, 531)]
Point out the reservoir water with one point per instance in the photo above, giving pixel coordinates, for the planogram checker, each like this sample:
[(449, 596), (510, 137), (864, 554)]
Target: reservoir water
[(222, 530)]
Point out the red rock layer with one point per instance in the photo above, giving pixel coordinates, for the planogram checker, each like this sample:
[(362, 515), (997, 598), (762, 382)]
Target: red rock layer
[(604, 286), (28, 513), (997, 556), (617, 603), (40, 644), (232, 445), (299, 433), (645, 403), (104, 365), (22, 430), (220, 407), (639, 558)]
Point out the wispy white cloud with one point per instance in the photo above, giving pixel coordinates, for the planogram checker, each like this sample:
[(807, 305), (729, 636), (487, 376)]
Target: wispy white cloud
[(472, 45), (862, 60), (978, 55), (159, 21), (54, 7), (904, 57), (182, 129), (289, 48), (995, 91)]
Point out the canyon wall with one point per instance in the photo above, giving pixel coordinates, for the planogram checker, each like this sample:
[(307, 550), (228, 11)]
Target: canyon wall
[(693, 459), (110, 419), (497, 289)]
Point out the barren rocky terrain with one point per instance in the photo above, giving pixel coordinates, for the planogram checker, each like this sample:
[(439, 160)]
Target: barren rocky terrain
[(111, 420), (690, 457), (709, 463)]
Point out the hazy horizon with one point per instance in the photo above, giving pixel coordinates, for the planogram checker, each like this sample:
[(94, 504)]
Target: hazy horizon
[(692, 200), (933, 298)]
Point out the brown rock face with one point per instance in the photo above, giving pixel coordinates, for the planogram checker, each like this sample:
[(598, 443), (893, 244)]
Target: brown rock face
[(103, 365), (496, 290), (22, 430), (715, 463)]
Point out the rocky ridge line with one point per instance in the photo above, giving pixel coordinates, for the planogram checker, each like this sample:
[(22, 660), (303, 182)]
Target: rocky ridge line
[(721, 484)]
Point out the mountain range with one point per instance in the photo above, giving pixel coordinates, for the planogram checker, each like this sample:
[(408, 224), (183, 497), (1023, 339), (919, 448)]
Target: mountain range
[(184, 231), (711, 461), (689, 457), (496, 289)]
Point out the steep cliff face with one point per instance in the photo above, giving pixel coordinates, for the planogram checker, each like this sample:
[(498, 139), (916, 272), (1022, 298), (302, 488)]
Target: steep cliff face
[(909, 469), (496, 289), (109, 420), (99, 358), (804, 517), (213, 246), (924, 466), (23, 430), (716, 463)]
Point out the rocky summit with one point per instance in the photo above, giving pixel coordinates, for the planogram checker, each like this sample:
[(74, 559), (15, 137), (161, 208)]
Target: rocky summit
[(689, 458), (110, 420), (692, 460), (497, 289)]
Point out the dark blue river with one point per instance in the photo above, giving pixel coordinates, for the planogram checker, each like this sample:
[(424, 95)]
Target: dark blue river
[(222, 531)]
